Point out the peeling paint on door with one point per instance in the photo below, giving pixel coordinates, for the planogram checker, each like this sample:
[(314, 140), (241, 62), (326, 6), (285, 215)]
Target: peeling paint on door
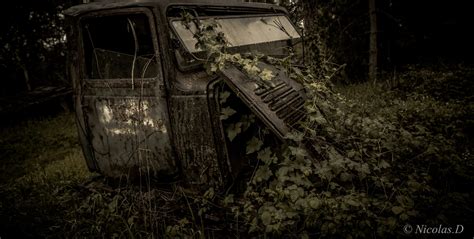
[(130, 133), (129, 115)]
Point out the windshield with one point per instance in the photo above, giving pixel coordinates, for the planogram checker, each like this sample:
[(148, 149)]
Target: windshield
[(241, 31)]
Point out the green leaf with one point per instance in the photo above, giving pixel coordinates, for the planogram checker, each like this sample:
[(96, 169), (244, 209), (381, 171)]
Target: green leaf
[(318, 118), (247, 121), (254, 145), (345, 177), (209, 194), (265, 156), (229, 199), (251, 69), (213, 67), (353, 202), (397, 210), (304, 235), (266, 218), (298, 152), (295, 136), (314, 203), (131, 220), (233, 130), (263, 173), (384, 164), (364, 170), (351, 153), (226, 113), (266, 75), (253, 225), (297, 71), (113, 205), (223, 97)]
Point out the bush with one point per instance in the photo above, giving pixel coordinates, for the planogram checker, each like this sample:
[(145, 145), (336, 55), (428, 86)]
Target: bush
[(381, 163)]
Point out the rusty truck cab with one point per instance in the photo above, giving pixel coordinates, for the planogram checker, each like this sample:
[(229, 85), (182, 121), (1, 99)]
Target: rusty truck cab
[(145, 106)]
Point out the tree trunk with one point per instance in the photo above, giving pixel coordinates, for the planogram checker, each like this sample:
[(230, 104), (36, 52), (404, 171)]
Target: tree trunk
[(314, 46), (27, 78), (373, 42)]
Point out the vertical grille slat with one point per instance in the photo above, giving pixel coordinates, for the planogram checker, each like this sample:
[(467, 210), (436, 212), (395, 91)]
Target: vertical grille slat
[(292, 114), (295, 105), (285, 99), (275, 94), (279, 104), (294, 120), (263, 91), (282, 99)]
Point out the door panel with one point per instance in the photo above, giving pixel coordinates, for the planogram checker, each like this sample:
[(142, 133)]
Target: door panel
[(129, 134), (124, 101)]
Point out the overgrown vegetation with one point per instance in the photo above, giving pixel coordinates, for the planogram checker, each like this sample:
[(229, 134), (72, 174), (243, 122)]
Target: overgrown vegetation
[(384, 157), (373, 171), (383, 162)]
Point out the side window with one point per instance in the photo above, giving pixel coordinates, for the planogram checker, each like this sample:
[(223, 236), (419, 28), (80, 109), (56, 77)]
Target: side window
[(118, 47)]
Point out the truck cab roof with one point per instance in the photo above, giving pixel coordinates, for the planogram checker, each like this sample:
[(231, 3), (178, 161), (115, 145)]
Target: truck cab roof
[(163, 5)]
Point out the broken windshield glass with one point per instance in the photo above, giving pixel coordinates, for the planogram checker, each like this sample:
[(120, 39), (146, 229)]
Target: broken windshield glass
[(241, 31)]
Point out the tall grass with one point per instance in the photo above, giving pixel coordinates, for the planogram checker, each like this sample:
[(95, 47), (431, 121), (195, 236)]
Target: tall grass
[(47, 191)]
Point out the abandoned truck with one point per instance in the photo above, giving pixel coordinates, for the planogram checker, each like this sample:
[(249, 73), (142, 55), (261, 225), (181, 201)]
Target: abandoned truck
[(143, 100)]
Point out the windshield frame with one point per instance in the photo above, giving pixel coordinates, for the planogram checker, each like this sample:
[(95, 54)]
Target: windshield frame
[(183, 45)]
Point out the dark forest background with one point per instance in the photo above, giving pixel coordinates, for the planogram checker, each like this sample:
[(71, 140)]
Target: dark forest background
[(33, 44), (390, 108)]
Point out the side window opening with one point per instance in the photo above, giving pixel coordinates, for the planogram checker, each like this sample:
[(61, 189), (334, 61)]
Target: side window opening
[(118, 47)]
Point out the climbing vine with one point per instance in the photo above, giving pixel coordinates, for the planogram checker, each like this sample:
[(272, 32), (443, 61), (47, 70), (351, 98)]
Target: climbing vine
[(356, 174)]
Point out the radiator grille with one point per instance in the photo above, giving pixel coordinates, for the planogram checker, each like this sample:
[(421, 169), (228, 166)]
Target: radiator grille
[(284, 100), (279, 103)]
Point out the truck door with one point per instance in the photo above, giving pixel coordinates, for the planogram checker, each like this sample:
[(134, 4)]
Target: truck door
[(123, 103)]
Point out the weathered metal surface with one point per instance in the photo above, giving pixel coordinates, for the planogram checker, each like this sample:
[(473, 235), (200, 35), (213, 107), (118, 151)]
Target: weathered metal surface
[(123, 123), (278, 103), (194, 140), (129, 135), (198, 143), (164, 4), (167, 123), (186, 83)]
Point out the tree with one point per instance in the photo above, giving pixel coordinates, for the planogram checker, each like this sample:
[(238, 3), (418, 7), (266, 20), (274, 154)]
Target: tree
[(32, 42), (373, 42), (336, 38), (314, 33)]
